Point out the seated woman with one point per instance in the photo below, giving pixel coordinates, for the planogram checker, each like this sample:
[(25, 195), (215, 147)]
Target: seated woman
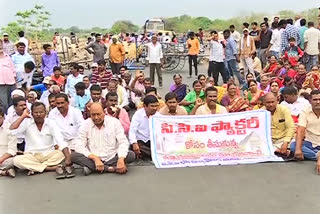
[(249, 76), (203, 80), (178, 87), (275, 88), (254, 93), (271, 67), (232, 101), (189, 101), (313, 79)]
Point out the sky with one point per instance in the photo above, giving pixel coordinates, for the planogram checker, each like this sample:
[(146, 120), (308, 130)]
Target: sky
[(92, 13)]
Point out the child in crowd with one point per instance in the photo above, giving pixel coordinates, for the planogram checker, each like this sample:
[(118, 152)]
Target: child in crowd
[(293, 53)]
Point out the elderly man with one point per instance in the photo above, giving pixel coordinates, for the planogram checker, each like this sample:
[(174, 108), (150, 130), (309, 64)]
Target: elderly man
[(42, 140), (139, 134), (307, 143), (67, 118), (101, 145), (8, 149), (116, 56), (172, 108), (210, 106), (282, 126), (8, 46), (97, 48)]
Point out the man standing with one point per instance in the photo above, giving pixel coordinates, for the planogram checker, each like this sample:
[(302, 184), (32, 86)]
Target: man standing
[(49, 60), (210, 106), (311, 45), (8, 149), (20, 58), (302, 30), (282, 126), (7, 78), (67, 118), (247, 48), (24, 40), (42, 137), (307, 143), (216, 59), (116, 56), (8, 46), (232, 56), (193, 46), (275, 43), (101, 145), (265, 38), (97, 48), (155, 58), (289, 32), (72, 80), (172, 108), (235, 35), (254, 33), (139, 133)]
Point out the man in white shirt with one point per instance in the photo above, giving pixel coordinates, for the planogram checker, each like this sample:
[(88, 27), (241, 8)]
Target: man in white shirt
[(155, 57), (114, 86), (139, 134), (45, 147), (216, 59), (293, 102), (24, 40), (72, 80), (8, 149), (311, 45), (275, 43), (235, 35), (67, 118), (101, 145)]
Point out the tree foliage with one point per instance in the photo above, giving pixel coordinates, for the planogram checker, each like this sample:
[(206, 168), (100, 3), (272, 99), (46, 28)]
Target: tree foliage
[(124, 26)]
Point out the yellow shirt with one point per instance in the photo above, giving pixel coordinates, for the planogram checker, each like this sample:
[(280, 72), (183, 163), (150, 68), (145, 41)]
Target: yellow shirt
[(180, 111), (195, 46), (204, 109), (161, 105), (282, 125), (116, 53), (311, 122), (221, 92)]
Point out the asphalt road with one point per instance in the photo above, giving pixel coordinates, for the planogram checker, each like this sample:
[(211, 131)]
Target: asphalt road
[(277, 188)]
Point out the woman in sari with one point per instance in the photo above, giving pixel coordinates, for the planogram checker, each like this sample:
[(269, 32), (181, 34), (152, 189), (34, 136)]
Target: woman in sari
[(254, 93), (275, 88), (197, 93), (178, 87), (232, 101)]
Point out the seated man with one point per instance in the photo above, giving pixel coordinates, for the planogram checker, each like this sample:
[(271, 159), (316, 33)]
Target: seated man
[(67, 118), (293, 102), (113, 110), (307, 143), (101, 145), (96, 96), (153, 91), (139, 134), (172, 108), (113, 86), (282, 126), (8, 149), (138, 87), (52, 102), (210, 106), (42, 137), (81, 98)]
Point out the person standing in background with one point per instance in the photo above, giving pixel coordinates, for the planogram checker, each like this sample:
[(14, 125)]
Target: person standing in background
[(193, 45)]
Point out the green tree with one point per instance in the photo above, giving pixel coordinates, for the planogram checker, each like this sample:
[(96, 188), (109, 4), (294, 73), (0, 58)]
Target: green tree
[(12, 29), (124, 26)]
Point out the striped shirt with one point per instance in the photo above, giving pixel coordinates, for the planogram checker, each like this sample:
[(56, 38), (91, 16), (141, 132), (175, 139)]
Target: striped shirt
[(290, 31), (103, 82)]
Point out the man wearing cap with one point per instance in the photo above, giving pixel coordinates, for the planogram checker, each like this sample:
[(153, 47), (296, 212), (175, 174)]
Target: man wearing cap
[(8, 46), (49, 60), (97, 48), (7, 78), (116, 56), (101, 76), (247, 49), (42, 87)]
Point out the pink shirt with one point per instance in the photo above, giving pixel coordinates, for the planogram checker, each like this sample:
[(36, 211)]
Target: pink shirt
[(7, 71), (124, 119)]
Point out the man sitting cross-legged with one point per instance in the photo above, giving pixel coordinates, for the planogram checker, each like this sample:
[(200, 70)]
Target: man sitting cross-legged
[(307, 143), (42, 139), (101, 145)]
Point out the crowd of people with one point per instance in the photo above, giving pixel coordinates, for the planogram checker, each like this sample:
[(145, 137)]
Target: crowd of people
[(85, 120)]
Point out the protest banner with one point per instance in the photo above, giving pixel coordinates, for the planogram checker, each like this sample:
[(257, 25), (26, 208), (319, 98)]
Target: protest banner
[(221, 139)]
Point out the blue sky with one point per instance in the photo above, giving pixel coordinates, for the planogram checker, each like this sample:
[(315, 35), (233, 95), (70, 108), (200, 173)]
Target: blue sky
[(91, 13)]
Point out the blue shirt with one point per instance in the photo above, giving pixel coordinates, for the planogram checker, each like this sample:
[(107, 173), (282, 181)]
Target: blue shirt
[(39, 87), (80, 102), (19, 60), (71, 81), (231, 49)]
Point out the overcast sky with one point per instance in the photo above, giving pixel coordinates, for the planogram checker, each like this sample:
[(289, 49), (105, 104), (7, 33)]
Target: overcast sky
[(91, 13)]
